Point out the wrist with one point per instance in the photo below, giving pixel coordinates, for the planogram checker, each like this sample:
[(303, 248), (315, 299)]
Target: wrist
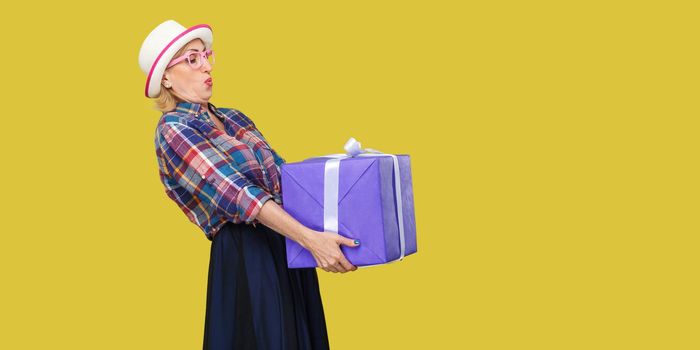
[(306, 237)]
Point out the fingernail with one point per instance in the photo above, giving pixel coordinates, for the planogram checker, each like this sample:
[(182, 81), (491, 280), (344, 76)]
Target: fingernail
[(357, 242)]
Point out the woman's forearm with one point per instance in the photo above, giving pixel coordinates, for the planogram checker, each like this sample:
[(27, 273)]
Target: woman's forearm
[(275, 217)]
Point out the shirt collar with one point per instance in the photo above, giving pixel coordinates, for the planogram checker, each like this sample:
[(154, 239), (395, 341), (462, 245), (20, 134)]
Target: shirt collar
[(194, 107)]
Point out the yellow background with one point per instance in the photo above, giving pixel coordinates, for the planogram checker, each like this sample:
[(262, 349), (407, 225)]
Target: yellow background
[(554, 148)]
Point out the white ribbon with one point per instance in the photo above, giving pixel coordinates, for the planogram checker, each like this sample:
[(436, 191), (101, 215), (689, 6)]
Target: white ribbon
[(332, 178)]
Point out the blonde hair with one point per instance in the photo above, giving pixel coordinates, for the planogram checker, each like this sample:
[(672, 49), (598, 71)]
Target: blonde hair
[(166, 100)]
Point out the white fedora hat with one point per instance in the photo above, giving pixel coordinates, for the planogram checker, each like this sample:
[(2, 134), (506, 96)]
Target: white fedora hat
[(160, 46)]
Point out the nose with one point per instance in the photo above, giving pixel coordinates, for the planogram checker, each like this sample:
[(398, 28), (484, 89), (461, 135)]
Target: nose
[(206, 66)]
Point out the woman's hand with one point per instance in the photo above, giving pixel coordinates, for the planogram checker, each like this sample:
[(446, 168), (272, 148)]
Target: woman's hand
[(325, 247)]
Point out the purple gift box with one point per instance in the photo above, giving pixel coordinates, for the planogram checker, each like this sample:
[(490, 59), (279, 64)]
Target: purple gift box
[(363, 190)]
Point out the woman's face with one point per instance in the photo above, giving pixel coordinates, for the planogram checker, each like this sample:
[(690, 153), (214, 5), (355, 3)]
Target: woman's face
[(187, 83)]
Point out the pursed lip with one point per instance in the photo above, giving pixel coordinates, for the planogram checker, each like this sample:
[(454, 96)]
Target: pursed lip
[(208, 81)]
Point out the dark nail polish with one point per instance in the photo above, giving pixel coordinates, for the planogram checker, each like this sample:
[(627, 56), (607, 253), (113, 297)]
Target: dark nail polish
[(357, 242)]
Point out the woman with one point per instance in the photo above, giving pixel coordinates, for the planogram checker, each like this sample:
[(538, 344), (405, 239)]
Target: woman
[(219, 169)]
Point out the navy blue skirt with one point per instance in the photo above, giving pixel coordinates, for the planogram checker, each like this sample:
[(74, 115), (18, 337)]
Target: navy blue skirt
[(254, 301)]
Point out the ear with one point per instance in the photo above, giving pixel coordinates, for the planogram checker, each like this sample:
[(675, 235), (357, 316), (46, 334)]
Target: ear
[(166, 80)]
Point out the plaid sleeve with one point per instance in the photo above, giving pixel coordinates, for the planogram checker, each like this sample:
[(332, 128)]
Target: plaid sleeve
[(211, 175)]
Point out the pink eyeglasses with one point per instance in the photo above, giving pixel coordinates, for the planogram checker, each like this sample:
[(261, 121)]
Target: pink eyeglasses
[(194, 58)]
